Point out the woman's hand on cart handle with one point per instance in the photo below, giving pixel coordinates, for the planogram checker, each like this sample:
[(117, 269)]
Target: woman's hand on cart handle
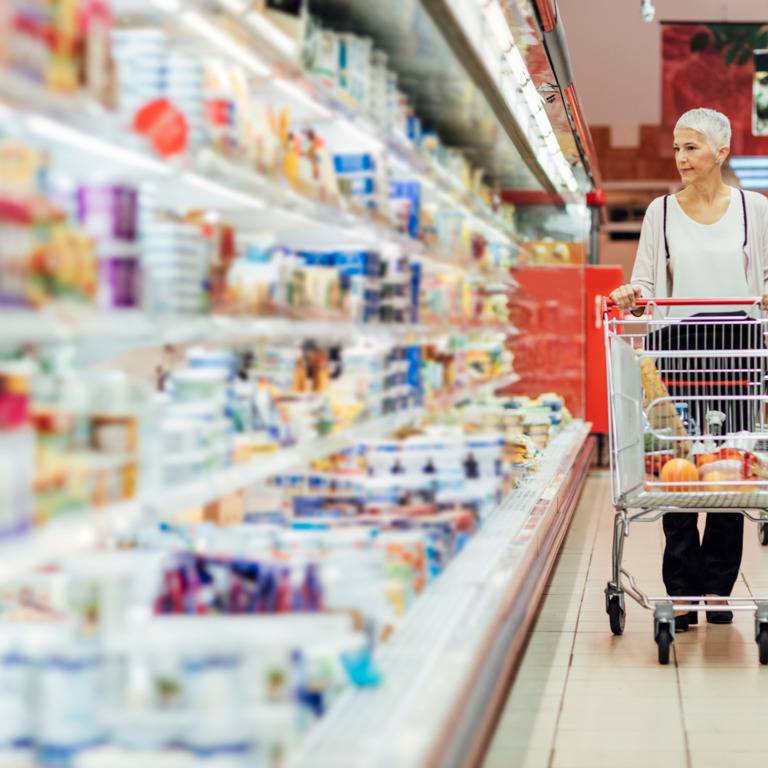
[(625, 296)]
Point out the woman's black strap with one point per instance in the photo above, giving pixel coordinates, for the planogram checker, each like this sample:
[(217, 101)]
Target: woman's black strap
[(744, 211), (666, 244)]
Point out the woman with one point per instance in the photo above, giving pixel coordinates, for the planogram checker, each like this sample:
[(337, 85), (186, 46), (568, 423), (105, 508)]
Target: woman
[(707, 241)]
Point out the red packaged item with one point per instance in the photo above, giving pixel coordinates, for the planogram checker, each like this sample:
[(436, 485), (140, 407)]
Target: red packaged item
[(164, 125)]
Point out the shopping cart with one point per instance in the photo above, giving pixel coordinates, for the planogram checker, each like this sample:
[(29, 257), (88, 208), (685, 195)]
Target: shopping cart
[(687, 434)]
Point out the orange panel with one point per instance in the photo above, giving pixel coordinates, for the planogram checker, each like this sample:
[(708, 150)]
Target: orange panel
[(549, 352), (599, 281)]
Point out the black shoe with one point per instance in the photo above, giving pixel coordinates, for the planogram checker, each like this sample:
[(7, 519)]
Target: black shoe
[(719, 617), (682, 622), (693, 616)]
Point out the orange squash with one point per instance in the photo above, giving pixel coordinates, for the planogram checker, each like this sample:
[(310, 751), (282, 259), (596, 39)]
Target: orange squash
[(679, 475)]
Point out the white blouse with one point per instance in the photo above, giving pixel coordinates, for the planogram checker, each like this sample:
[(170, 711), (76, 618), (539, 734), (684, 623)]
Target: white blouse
[(651, 273), (706, 260)]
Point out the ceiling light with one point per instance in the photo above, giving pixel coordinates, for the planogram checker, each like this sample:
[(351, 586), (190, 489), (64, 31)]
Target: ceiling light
[(299, 94), (224, 43), (86, 142), (223, 191), (273, 34), (748, 162), (647, 11), (760, 182)]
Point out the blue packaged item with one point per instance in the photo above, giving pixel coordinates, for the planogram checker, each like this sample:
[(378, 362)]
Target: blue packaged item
[(415, 290), (317, 259), (413, 355), (406, 195), (351, 262), (413, 129), (372, 264), (354, 163)]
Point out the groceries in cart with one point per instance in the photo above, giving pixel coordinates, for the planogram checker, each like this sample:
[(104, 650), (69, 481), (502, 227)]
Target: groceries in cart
[(702, 388)]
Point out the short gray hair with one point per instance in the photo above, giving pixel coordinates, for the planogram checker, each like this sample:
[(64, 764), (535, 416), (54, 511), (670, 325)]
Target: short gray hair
[(714, 126)]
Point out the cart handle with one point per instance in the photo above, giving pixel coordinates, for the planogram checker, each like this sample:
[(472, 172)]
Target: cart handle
[(741, 302)]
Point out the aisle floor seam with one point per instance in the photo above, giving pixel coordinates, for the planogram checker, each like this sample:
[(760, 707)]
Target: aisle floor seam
[(550, 764)]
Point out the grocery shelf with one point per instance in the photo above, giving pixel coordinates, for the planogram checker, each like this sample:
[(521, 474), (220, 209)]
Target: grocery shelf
[(205, 490), (443, 402), (318, 103), (446, 664), (236, 478), (81, 531), (282, 52), (68, 535), (243, 196), (452, 62), (80, 325)]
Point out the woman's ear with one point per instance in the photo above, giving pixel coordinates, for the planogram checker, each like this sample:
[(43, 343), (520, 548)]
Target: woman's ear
[(721, 155)]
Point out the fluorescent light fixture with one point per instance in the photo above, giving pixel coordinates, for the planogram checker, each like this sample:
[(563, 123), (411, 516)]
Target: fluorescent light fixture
[(236, 6), (64, 134), (365, 137), (241, 198), (225, 43), (748, 162), (284, 43), (746, 173), (528, 106), (542, 120), (532, 96), (169, 6), (498, 25), (299, 94), (759, 182), (552, 143), (517, 64)]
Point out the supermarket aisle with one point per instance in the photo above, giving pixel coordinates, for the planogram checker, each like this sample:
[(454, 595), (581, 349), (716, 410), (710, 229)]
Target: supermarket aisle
[(582, 698)]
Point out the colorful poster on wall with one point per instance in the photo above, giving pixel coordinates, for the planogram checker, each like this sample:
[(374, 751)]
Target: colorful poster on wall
[(713, 65), (760, 95)]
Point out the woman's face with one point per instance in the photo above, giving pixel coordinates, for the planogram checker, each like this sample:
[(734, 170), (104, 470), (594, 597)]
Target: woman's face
[(694, 157)]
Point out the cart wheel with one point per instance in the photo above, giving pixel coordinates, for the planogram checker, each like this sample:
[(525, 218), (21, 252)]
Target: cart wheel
[(664, 641), (616, 616), (762, 644), (762, 533)]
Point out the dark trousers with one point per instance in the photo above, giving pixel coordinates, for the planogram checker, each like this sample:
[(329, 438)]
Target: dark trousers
[(708, 565)]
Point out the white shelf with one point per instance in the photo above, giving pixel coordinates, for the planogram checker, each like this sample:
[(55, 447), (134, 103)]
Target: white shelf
[(443, 402), (80, 325), (68, 535), (236, 478)]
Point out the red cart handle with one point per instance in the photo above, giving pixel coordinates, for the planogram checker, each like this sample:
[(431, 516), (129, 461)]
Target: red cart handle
[(610, 304)]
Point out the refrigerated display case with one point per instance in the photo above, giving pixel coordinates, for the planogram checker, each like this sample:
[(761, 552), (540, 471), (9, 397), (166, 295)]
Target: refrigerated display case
[(178, 174)]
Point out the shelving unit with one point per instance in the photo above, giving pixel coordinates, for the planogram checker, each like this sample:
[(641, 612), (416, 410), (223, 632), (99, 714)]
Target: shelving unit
[(79, 531), (453, 646)]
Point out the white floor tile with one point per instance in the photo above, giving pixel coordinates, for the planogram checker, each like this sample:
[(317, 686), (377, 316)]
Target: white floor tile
[(583, 698)]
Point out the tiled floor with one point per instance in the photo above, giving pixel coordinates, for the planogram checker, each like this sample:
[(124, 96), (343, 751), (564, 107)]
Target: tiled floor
[(582, 698)]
